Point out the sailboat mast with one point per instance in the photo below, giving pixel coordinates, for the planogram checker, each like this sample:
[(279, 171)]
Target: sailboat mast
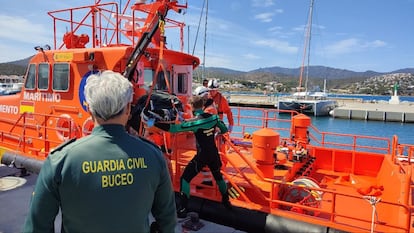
[(306, 48)]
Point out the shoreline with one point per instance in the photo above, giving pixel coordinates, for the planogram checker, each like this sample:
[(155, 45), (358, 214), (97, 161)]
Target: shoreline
[(348, 108)]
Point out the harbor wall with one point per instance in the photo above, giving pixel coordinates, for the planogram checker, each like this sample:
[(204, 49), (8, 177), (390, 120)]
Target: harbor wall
[(347, 109), (374, 115)]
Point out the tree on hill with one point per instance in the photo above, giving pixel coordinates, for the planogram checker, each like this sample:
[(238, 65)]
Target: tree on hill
[(11, 69)]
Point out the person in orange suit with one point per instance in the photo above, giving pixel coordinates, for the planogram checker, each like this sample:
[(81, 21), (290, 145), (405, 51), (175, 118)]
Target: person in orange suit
[(223, 107), (221, 102)]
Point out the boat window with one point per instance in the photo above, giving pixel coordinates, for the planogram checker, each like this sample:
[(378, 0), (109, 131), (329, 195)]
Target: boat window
[(161, 84), (43, 76), (182, 79), (61, 77), (31, 77), (148, 74)]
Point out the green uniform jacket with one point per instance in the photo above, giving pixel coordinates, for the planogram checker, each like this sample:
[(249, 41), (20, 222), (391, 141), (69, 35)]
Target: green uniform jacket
[(201, 120), (106, 182)]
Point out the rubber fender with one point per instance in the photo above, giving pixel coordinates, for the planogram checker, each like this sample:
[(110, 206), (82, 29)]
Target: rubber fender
[(250, 220), (19, 161), (278, 224)]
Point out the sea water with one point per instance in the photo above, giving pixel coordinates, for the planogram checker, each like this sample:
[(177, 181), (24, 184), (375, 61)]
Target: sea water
[(404, 131)]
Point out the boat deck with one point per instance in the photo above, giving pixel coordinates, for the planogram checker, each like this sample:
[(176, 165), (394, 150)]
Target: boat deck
[(328, 187), (345, 191)]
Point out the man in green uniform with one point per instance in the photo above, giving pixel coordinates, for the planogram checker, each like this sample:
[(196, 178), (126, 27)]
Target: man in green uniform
[(108, 181), (204, 127)]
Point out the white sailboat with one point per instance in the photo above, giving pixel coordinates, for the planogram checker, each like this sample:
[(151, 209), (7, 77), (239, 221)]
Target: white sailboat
[(304, 101)]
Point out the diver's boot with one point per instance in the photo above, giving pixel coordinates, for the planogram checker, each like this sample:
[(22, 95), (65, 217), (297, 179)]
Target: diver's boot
[(182, 206), (226, 202)]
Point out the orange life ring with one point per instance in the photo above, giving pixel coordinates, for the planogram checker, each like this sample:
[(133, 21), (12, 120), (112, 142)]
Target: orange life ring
[(87, 126), (66, 128)]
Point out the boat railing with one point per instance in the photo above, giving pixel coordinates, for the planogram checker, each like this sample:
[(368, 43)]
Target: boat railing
[(86, 19), (277, 206), (403, 156), (249, 119), (350, 141), (405, 152), (109, 24), (332, 214), (32, 134)]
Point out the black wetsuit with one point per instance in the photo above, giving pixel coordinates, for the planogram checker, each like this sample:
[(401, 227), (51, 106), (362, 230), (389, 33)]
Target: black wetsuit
[(204, 127)]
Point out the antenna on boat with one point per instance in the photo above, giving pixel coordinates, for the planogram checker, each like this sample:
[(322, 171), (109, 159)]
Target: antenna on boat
[(42, 49)]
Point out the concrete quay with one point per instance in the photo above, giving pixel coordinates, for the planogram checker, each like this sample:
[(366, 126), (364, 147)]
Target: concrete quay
[(377, 111), (348, 108), (260, 101)]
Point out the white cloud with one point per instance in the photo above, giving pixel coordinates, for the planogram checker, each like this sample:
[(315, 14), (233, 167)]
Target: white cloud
[(22, 30), (343, 46), (279, 46), (376, 44), (19, 35), (279, 11), (264, 17), (263, 3), (217, 60), (275, 29), (251, 56), (352, 45), (302, 28)]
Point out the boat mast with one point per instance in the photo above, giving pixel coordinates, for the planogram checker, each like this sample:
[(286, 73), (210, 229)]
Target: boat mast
[(305, 50)]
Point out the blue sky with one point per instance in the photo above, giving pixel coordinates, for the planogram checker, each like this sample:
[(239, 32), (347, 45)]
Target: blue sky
[(244, 35)]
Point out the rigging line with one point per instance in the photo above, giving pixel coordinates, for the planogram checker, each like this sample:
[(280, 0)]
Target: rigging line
[(198, 28), (205, 38)]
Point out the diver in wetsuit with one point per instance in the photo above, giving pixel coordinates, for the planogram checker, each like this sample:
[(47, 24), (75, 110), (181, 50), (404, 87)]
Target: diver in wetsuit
[(204, 127)]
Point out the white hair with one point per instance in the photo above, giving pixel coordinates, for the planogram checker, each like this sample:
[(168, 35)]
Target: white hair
[(107, 94)]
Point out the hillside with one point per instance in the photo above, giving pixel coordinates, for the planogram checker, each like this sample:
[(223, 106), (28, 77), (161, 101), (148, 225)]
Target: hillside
[(285, 78), (315, 72), (289, 78), (15, 67)]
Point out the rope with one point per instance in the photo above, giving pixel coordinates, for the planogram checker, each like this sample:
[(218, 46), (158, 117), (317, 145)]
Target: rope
[(166, 144), (373, 200), (198, 28)]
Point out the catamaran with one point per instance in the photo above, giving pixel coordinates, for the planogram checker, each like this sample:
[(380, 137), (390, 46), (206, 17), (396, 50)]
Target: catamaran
[(314, 103)]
